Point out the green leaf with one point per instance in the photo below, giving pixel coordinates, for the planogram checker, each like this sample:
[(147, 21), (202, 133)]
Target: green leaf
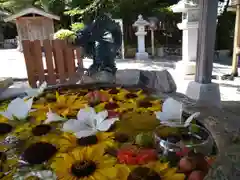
[(195, 129)]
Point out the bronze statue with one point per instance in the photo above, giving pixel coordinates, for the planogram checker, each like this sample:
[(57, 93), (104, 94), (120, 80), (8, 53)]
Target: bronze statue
[(101, 39)]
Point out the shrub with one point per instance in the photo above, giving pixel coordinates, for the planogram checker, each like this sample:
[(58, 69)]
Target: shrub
[(77, 27), (65, 34)]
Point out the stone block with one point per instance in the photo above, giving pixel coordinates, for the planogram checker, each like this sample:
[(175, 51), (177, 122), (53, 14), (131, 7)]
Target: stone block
[(159, 80), (128, 76), (205, 94)]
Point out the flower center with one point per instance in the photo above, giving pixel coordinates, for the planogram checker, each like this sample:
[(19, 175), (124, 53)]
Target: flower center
[(5, 128), (83, 168), (41, 130), (113, 91), (111, 106), (143, 173), (131, 96), (39, 152), (145, 104), (88, 141)]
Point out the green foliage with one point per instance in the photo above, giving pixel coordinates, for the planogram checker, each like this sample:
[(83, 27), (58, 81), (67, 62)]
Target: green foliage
[(77, 26), (65, 34), (225, 31)]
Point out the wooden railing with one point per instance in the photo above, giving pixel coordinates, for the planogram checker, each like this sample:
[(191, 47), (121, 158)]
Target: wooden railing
[(54, 62)]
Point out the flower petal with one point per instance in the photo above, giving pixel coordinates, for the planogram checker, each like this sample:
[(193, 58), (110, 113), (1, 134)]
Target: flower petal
[(19, 108), (106, 124), (171, 110), (53, 117), (85, 133), (36, 92), (86, 113), (73, 125), (7, 115), (101, 116), (172, 106)]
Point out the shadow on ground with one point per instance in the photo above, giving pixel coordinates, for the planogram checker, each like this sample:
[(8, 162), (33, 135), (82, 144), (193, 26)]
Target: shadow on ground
[(231, 106)]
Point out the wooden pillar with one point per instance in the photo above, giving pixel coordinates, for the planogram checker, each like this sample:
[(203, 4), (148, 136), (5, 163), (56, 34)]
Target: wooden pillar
[(236, 42), (206, 40)]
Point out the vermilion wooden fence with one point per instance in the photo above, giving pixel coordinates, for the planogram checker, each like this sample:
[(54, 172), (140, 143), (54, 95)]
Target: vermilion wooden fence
[(54, 63)]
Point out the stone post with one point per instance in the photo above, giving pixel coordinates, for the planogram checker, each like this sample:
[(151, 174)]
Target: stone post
[(141, 33), (189, 26), (202, 89)]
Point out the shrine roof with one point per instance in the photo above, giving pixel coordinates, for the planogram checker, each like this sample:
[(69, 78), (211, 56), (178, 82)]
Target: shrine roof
[(31, 10)]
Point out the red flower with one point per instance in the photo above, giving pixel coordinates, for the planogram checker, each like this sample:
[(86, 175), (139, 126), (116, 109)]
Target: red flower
[(113, 114), (97, 95), (183, 152), (136, 156)]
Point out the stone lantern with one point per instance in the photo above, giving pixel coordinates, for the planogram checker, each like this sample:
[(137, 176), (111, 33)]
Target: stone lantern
[(190, 16), (141, 33)]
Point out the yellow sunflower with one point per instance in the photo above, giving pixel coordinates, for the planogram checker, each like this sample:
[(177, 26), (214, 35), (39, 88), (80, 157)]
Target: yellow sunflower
[(117, 106), (84, 164), (125, 95), (149, 106), (3, 119), (64, 105), (36, 131), (165, 171), (40, 115), (123, 171), (67, 141)]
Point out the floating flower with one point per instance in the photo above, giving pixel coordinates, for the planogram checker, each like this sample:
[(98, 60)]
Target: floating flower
[(172, 174), (96, 97), (165, 172), (84, 164), (53, 117), (143, 173), (39, 175), (171, 114), (136, 156), (68, 141), (147, 105), (67, 105), (128, 96), (36, 92), (105, 139), (18, 109), (123, 172), (89, 123)]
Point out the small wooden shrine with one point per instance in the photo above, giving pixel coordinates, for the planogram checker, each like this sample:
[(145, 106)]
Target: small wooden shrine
[(33, 24)]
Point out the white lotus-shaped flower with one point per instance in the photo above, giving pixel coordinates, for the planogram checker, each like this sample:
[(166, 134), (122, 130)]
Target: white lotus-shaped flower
[(89, 123), (42, 175), (53, 117), (18, 109), (36, 92), (171, 114)]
